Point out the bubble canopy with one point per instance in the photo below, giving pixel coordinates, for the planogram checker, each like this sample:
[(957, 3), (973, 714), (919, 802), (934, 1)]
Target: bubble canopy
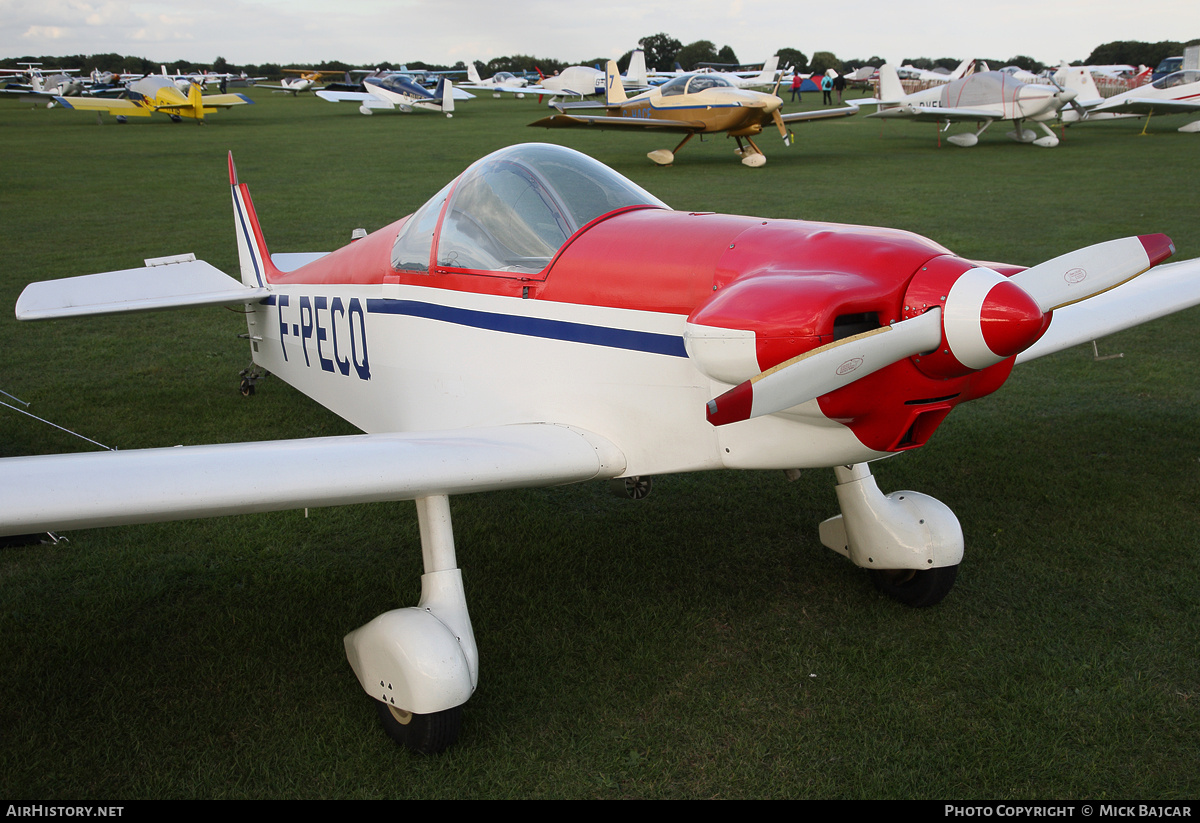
[(513, 210)]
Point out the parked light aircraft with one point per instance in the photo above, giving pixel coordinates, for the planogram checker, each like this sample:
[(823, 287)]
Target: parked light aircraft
[(399, 91), (1177, 93), (304, 82), (502, 335), (691, 104), (983, 98), (936, 78), (52, 83), (769, 75), (157, 93), (501, 81), (574, 81)]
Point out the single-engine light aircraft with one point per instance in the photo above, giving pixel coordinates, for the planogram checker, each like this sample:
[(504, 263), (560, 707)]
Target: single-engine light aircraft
[(982, 98), (399, 91), (305, 81), (542, 320), (158, 93), (1177, 93), (691, 104)]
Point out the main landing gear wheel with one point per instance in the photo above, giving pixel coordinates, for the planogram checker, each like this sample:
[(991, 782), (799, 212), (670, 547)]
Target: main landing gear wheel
[(916, 588), (421, 733)]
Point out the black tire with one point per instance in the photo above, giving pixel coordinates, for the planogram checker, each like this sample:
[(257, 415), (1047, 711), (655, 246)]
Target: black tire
[(421, 733), (918, 589)]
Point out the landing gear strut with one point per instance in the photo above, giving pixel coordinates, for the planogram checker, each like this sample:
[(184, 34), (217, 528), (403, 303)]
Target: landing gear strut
[(911, 543), (420, 664)]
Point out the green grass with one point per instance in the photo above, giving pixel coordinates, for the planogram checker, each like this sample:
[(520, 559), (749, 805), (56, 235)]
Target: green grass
[(701, 643)]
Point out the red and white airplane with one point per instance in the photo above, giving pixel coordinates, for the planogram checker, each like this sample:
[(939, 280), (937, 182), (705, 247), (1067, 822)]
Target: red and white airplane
[(543, 320)]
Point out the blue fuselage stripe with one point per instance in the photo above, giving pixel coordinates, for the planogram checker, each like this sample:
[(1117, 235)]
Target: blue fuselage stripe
[(651, 342)]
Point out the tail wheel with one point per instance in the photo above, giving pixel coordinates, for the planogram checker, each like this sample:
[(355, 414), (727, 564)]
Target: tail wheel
[(916, 588), (421, 733)]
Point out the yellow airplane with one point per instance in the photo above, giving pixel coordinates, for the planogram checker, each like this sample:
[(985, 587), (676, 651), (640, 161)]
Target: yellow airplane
[(157, 93), (691, 104)]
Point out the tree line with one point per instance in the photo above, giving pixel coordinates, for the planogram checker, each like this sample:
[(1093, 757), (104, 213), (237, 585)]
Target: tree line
[(661, 52)]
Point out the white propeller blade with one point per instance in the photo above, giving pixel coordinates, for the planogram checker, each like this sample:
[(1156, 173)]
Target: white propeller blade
[(826, 369), (1081, 274)]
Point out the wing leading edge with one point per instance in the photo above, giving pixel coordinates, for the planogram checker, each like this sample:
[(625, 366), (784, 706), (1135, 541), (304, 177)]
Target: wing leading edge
[(94, 489)]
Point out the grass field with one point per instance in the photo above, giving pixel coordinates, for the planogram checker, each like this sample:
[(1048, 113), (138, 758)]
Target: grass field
[(701, 643)]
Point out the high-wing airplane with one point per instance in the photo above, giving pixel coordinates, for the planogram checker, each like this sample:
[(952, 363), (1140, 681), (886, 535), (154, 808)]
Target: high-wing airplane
[(306, 79), (399, 91), (691, 104), (983, 98), (1177, 93), (542, 320), (157, 93)]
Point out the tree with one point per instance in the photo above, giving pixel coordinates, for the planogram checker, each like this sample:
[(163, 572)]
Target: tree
[(726, 55), (794, 58), (702, 51), (874, 61), (822, 61), (660, 51), (1026, 63)]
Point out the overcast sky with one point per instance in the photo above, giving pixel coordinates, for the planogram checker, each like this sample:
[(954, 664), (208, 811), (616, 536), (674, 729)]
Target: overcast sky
[(446, 31)]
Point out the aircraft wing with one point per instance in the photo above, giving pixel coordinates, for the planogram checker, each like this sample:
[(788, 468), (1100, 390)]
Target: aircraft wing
[(1164, 289), (361, 97), (563, 121), (346, 96), (819, 114), (939, 114), (93, 489), (165, 283), (1149, 105), (106, 104)]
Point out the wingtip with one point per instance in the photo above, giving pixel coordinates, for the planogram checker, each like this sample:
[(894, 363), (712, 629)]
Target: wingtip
[(233, 181), (1158, 247)]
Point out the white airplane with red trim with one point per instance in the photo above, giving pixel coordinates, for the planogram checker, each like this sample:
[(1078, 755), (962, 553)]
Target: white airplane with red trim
[(543, 320)]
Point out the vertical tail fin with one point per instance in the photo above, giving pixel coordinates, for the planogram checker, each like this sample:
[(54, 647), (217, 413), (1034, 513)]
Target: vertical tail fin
[(614, 90), (637, 68), (766, 77), (890, 90), (196, 100), (445, 92), (965, 69), (254, 260), (473, 73)]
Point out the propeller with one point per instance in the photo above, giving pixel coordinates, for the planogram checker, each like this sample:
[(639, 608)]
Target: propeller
[(783, 129), (980, 319)]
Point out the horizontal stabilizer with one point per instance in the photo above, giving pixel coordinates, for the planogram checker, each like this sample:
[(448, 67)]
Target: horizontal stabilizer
[(94, 489), (172, 286)]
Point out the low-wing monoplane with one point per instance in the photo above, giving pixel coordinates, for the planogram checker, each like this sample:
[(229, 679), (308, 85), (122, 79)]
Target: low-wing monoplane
[(305, 80), (691, 104), (501, 81), (157, 94), (981, 98), (399, 91), (1177, 93), (543, 320)]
